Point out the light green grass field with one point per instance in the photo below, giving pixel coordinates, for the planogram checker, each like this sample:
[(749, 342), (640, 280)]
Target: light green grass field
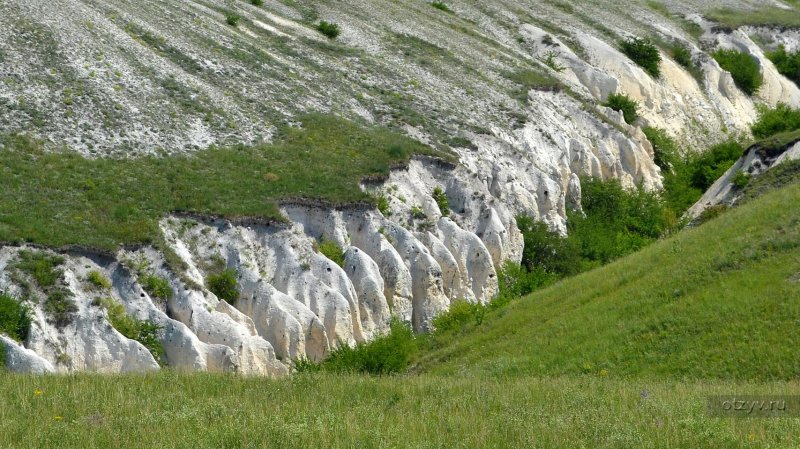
[(327, 411)]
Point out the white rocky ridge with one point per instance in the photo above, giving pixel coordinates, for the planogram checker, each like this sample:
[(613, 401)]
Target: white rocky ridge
[(414, 261)]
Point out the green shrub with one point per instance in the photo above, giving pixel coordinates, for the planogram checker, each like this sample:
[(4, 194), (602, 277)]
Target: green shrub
[(441, 6), (514, 281), (15, 318), (232, 19), (387, 354), (624, 104), (42, 266), (788, 64), (460, 315), (547, 250), (644, 53), (665, 150), (777, 120), (743, 68), (706, 168), (60, 308), (2, 358), (442, 201), (224, 285), (156, 287), (740, 179), (257, 2), (331, 250), (329, 29), (143, 331), (615, 222), (98, 280)]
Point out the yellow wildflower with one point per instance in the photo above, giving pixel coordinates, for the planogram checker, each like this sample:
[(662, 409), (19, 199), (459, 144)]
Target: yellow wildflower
[(37, 392)]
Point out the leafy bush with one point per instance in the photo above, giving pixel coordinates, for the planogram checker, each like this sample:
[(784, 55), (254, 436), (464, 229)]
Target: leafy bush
[(143, 331), (514, 281), (156, 287), (740, 179), (387, 354), (788, 64), (665, 151), (42, 266), (773, 121), (743, 68), (257, 2), (547, 250), (460, 314), (331, 250), (60, 308), (329, 29), (224, 285), (15, 318), (232, 19), (615, 222), (624, 104), (706, 168), (441, 200), (441, 6), (98, 280), (644, 53)]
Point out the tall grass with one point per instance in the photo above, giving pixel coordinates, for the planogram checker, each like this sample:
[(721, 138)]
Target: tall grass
[(351, 411)]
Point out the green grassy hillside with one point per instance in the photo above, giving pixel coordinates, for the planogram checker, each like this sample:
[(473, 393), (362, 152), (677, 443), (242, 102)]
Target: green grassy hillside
[(719, 301)]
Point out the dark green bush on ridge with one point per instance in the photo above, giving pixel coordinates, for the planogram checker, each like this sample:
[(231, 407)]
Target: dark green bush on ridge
[(788, 64), (624, 104), (644, 53), (744, 69), (776, 120), (224, 285), (15, 318), (329, 29)]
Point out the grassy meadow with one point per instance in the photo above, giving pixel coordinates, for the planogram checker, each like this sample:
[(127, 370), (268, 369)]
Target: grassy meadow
[(170, 410)]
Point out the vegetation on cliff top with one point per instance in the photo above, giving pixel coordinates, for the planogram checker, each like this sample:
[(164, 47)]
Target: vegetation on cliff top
[(62, 198)]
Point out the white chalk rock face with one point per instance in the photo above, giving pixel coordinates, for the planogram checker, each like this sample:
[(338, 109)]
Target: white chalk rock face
[(20, 359), (292, 329), (366, 279)]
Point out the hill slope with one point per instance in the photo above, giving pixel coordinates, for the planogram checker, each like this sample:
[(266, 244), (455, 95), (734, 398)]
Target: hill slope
[(717, 301)]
